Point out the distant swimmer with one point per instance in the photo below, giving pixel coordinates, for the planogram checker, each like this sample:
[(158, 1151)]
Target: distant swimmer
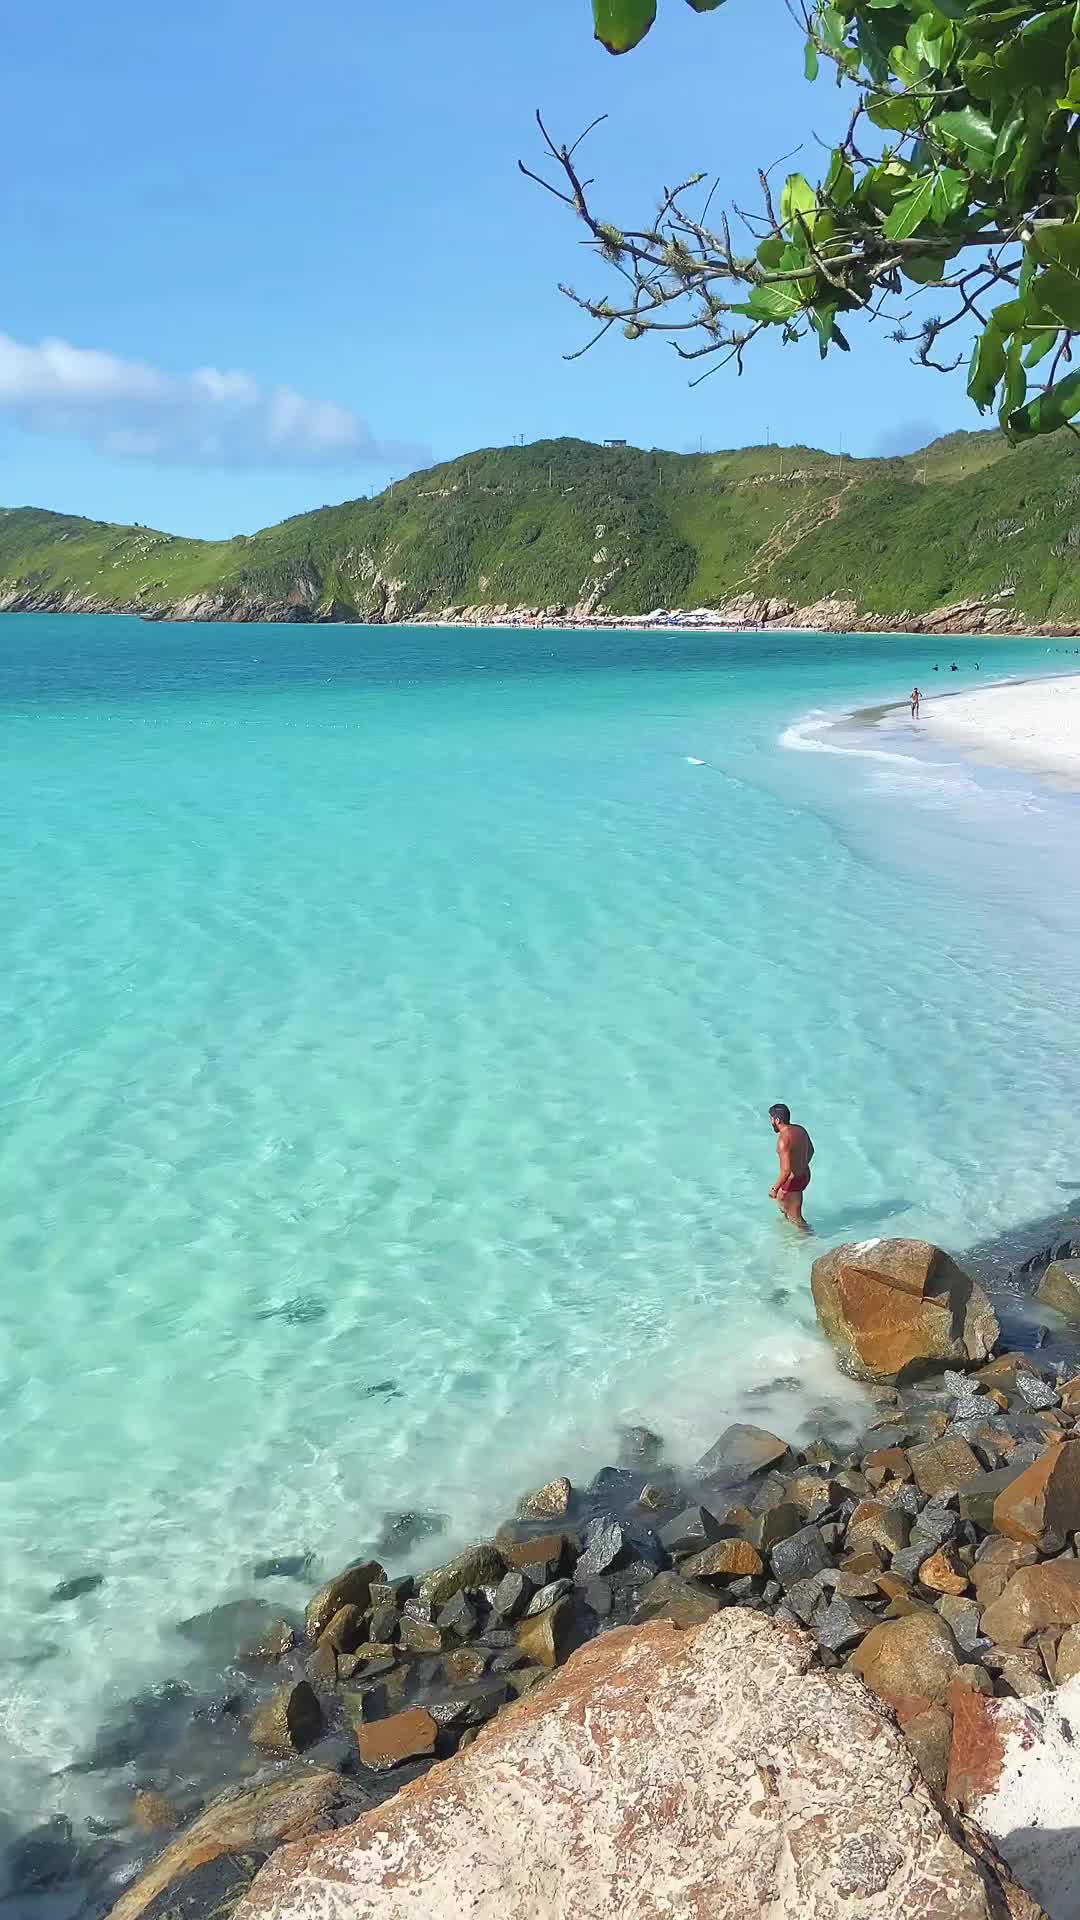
[(916, 702), (795, 1150)]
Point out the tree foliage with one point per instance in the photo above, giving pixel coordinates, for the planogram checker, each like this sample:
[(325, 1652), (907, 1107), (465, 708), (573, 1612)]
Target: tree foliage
[(956, 181)]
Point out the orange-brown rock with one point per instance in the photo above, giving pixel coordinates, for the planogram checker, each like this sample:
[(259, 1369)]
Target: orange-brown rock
[(349, 1589), (944, 1572), (1041, 1506), (243, 1825), (523, 1554), (345, 1630), (549, 1502), (913, 1656), (876, 1524), (723, 1560), (890, 1463), (941, 1465), (1047, 1595), (977, 1752), (716, 1773), (896, 1309), (153, 1812), (405, 1736)]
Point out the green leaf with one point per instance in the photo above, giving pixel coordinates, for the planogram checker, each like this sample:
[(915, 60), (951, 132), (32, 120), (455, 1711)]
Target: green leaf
[(771, 251), (987, 366), (777, 303), (1039, 348), (833, 28), (950, 194), (1050, 411), (971, 129), (911, 210), (926, 269), (839, 181), (1058, 291), (811, 63), (798, 197), (622, 24)]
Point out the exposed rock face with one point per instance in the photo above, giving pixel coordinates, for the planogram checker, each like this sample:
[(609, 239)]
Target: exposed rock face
[(895, 1309), (1015, 1767), (290, 1721), (549, 1502), (714, 1774), (237, 1832)]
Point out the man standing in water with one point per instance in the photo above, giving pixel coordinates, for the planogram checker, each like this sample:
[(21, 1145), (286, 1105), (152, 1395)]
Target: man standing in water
[(796, 1150), (916, 702)]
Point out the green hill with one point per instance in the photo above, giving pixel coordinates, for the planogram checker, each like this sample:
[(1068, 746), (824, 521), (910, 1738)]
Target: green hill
[(566, 523)]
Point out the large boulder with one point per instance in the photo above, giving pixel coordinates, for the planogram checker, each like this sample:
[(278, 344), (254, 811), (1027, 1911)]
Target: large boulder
[(233, 1837), (1015, 1769), (910, 1659), (896, 1309), (717, 1772)]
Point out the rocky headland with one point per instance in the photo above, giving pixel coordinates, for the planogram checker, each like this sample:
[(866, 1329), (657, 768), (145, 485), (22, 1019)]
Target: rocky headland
[(834, 1678)]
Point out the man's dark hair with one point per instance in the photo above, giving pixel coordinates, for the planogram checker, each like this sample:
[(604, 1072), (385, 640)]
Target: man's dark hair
[(781, 1113)]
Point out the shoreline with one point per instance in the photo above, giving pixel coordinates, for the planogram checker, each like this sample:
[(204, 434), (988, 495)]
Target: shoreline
[(159, 1765), (1029, 725), (970, 619)]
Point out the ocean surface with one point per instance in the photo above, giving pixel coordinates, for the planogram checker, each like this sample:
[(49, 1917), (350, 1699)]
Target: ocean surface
[(389, 1023)]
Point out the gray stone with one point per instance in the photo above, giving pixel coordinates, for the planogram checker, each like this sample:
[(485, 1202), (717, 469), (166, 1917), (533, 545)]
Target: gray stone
[(458, 1617), (598, 1595), (75, 1588), (741, 1452), (547, 1596), (683, 1601), (472, 1705), (909, 1559), (383, 1624), (1038, 1394), (512, 1596), (616, 1484), (843, 1624), (935, 1527), (393, 1593), (779, 1523), (799, 1557), (402, 1531), (691, 1530)]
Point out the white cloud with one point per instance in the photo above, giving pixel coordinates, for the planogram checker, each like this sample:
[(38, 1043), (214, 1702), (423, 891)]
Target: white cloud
[(135, 411)]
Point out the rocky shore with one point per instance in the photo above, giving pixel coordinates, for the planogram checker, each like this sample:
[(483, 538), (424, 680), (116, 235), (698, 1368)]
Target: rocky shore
[(389, 604), (917, 1592)]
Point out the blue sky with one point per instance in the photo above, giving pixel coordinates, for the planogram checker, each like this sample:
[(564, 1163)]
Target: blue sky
[(324, 200)]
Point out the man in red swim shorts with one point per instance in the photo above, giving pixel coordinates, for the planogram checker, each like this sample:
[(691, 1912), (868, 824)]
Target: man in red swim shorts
[(796, 1150)]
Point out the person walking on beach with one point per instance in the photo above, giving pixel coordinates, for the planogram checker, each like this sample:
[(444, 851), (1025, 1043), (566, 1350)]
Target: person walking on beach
[(795, 1150), (916, 702)]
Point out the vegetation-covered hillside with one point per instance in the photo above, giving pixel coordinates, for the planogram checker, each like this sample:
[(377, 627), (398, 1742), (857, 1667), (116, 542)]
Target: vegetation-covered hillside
[(566, 523)]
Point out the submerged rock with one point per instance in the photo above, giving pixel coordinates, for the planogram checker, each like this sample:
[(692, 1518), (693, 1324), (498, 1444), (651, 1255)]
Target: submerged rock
[(230, 1841), (741, 1452), (722, 1774), (896, 1309), (75, 1588)]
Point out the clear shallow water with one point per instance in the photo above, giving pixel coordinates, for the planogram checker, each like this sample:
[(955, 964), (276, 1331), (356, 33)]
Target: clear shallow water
[(389, 1020)]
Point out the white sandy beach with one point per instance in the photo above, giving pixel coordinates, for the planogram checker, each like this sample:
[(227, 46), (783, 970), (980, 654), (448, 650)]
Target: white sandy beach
[(1033, 724)]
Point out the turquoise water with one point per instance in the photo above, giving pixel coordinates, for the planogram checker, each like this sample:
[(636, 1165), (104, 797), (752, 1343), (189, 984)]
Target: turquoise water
[(389, 1021)]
